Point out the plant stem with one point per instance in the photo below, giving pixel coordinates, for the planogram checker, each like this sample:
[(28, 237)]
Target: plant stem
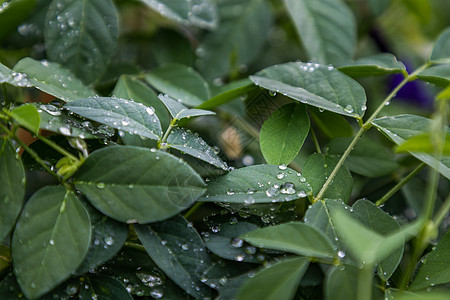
[(364, 289), (166, 134), (399, 185), (366, 126), (135, 246), (315, 141), (442, 212), (58, 148)]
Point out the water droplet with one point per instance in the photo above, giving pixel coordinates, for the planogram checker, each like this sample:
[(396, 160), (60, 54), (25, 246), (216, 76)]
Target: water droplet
[(348, 108), (364, 107), (272, 93), (341, 254), (50, 109), (109, 240), (101, 185), (273, 191), (282, 167), (157, 294), (150, 111), (215, 228), (52, 242), (251, 191), (249, 200), (65, 130), (239, 257), (125, 122), (185, 247), (163, 242), (280, 175), (287, 188), (230, 192), (237, 243)]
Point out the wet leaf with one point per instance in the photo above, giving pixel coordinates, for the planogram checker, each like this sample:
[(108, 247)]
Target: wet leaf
[(438, 75), (178, 111), (103, 287), (54, 224), (258, 184), (376, 65), (316, 85), (341, 282), (27, 116), (330, 124), (132, 184)]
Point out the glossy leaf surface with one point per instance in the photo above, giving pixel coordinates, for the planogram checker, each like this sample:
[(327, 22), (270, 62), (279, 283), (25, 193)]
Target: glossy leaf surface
[(258, 184), (119, 113), (294, 237), (283, 134), (132, 184), (82, 35), (103, 287), (179, 111), (316, 85), (380, 64), (51, 240)]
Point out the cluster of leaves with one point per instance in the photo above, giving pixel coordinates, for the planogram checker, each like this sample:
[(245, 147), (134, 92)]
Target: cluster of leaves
[(117, 197)]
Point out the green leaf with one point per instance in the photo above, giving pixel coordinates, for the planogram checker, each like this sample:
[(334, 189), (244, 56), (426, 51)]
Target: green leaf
[(237, 41), (258, 184), (294, 237), (12, 181), (316, 85), (103, 287), (192, 144), (279, 281), (227, 244), (435, 267), (52, 79), (198, 13), (439, 295), (327, 29), (316, 170), (379, 6), (376, 65), (441, 49), (368, 158), (82, 35), (50, 241), (5, 74), (179, 251), (438, 75), (330, 124), (423, 143), (178, 111), (341, 283), (403, 127), (379, 221), (27, 116), (283, 134), (180, 82), (228, 93), (118, 113), (421, 9), (131, 88), (12, 13), (132, 184), (108, 237)]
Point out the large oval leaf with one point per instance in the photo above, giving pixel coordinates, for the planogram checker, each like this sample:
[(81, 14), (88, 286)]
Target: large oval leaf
[(283, 134), (438, 75), (180, 82), (82, 35), (403, 127), (199, 13), (51, 240), (258, 184), (53, 79), (316, 170), (294, 237), (103, 287), (179, 251), (12, 181), (314, 84), (340, 283), (118, 113), (327, 29), (132, 184), (279, 281), (441, 50)]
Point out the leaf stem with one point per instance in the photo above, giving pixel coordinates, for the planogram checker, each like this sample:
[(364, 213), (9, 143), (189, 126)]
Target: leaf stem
[(166, 134), (138, 247), (399, 185), (366, 126), (58, 148), (315, 141), (364, 289)]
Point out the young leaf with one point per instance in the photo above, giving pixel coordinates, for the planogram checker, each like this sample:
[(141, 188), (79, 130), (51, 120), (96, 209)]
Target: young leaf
[(379, 221), (179, 251), (438, 75), (367, 158), (27, 116), (51, 240), (376, 65), (131, 88), (435, 267), (294, 237), (237, 40), (441, 50), (103, 287), (198, 13), (330, 124), (327, 29), (279, 281), (229, 92), (283, 134), (52, 79), (258, 184), (12, 181), (132, 184), (178, 111), (12, 14), (118, 113), (180, 82), (82, 35), (316, 170), (192, 144), (403, 127), (341, 283), (316, 85)]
